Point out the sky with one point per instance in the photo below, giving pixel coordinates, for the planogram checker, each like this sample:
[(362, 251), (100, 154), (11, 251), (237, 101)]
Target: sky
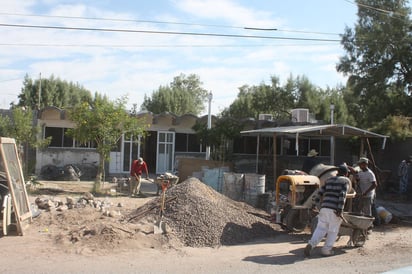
[(131, 48)]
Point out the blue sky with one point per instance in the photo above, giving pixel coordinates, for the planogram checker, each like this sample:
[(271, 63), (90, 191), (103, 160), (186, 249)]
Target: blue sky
[(133, 64)]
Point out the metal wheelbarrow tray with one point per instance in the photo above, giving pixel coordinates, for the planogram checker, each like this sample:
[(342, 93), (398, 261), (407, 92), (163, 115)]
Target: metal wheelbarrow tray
[(356, 220)]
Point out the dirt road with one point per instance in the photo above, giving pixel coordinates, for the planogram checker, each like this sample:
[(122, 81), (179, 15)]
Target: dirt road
[(43, 249)]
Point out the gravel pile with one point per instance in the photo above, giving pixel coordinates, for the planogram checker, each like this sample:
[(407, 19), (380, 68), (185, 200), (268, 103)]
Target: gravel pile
[(201, 217)]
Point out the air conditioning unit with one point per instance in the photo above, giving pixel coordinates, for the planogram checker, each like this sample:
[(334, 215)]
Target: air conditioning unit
[(266, 117), (300, 115)]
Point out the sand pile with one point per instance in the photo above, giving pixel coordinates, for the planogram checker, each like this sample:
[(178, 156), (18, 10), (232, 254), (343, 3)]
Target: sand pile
[(199, 216)]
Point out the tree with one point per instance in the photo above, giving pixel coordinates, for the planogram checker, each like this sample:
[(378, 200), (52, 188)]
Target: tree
[(254, 100), (19, 125), (220, 137), (51, 92), (103, 122), (298, 92), (378, 60), (398, 127), (184, 95)]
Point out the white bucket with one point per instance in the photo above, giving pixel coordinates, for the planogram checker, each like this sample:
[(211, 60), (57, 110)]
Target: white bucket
[(233, 185), (254, 186), (384, 214)]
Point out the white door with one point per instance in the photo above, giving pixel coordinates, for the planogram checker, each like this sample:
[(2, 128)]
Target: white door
[(131, 151), (165, 151)]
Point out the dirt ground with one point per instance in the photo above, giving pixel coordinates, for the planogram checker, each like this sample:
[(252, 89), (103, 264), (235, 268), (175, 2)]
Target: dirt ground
[(92, 240)]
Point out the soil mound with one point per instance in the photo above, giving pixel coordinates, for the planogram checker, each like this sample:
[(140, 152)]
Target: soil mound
[(199, 216)]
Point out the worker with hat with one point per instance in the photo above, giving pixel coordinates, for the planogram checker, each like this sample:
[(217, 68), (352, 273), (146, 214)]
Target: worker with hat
[(310, 161), (333, 196), (138, 166), (367, 185)]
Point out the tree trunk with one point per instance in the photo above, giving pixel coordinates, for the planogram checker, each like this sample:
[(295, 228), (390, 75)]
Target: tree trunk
[(100, 169)]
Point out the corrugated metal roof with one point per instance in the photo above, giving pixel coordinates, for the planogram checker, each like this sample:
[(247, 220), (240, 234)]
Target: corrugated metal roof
[(336, 130)]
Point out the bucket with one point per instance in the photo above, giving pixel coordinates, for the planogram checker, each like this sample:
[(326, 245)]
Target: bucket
[(384, 214), (254, 186), (233, 185)]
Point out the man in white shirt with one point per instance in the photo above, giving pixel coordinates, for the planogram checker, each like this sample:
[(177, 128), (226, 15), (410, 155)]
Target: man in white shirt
[(367, 184)]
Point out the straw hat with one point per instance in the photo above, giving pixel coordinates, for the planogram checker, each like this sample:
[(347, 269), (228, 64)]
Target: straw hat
[(363, 160), (312, 153)]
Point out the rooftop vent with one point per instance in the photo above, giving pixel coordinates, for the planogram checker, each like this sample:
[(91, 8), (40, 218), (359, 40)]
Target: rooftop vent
[(265, 117), (300, 115)]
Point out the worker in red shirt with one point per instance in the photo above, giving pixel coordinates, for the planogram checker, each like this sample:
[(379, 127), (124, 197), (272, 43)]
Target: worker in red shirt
[(138, 166)]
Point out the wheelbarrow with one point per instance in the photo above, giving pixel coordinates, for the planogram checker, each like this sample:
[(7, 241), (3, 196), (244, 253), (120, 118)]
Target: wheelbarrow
[(355, 226)]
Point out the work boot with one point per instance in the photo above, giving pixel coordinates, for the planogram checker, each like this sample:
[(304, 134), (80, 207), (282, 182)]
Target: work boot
[(307, 250), (327, 253)]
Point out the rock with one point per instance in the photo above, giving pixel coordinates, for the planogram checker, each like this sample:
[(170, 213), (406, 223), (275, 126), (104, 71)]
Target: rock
[(62, 208), (88, 196)]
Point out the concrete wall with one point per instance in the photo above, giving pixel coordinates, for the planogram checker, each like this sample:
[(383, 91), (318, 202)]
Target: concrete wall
[(60, 157), (187, 166)]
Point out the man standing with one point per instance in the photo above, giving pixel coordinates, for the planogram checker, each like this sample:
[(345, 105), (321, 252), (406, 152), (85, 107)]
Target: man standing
[(403, 174), (310, 161), (333, 195), (138, 166), (367, 184)]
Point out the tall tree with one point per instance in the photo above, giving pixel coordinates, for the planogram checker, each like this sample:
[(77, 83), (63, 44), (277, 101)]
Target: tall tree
[(40, 93), (184, 95), (103, 122), (254, 100), (378, 60)]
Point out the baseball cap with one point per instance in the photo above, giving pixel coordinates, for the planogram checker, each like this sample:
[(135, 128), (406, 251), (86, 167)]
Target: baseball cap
[(343, 169)]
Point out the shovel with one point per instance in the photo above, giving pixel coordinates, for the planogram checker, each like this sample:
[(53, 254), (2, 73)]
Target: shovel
[(160, 226)]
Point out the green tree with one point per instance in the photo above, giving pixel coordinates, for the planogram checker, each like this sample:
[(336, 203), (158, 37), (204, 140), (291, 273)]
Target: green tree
[(51, 92), (269, 99), (184, 95), (103, 122), (378, 60), (398, 127), (220, 137), (19, 125)]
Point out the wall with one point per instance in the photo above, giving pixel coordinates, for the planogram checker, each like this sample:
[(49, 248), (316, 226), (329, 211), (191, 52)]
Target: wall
[(62, 157), (186, 166)]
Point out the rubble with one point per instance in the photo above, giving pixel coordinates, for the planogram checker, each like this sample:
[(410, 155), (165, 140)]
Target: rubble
[(195, 215)]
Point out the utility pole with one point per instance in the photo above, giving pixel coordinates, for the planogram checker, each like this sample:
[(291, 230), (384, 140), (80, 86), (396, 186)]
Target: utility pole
[(39, 92), (209, 122), (332, 138)]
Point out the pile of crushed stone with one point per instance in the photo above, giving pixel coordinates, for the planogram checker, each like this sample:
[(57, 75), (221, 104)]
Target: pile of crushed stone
[(199, 216)]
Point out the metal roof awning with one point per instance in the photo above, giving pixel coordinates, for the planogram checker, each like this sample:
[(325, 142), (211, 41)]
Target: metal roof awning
[(315, 131), (311, 131)]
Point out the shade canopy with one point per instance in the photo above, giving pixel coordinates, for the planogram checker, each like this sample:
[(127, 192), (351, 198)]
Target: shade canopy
[(331, 131), (315, 131)]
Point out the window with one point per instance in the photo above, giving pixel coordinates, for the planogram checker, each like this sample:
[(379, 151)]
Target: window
[(186, 143), (59, 138)]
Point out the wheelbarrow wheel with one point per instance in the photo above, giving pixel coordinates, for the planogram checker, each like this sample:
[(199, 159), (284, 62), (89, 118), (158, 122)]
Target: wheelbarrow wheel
[(294, 221), (358, 237)]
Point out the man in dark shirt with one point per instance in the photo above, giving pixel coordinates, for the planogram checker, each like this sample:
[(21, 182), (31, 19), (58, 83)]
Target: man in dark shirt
[(333, 195), (310, 161)]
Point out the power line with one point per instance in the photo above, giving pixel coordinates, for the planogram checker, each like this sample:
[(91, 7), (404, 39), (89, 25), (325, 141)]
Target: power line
[(153, 46), (169, 32), (9, 80), (383, 11), (165, 22)]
